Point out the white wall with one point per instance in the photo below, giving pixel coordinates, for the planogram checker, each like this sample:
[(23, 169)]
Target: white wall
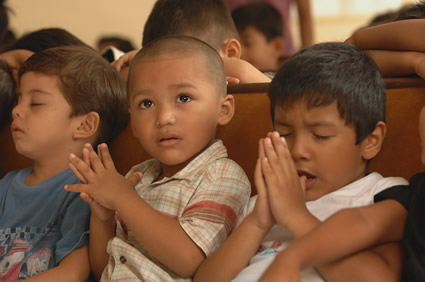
[(87, 19)]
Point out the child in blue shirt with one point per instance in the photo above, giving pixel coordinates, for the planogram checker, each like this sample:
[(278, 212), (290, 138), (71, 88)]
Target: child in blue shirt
[(68, 96)]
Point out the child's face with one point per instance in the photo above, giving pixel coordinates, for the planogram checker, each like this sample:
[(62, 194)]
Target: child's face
[(422, 133), (256, 50), (41, 126), (174, 108), (322, 147)]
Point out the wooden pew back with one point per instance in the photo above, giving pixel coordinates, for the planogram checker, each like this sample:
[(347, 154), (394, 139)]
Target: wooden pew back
[(400, 154)]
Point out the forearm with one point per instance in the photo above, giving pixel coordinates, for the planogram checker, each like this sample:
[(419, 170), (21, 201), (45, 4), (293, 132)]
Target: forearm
[(74, 267), (365, 266), (234, 255), (152, 229), (306, 22), (404, 35), (397, 63), (100, 234)]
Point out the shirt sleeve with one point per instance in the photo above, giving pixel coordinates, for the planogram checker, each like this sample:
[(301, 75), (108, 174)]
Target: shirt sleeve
[(216, 205), (74, 227)]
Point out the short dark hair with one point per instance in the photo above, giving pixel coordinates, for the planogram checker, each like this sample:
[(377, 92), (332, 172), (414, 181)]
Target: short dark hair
[(184, 45), (88, 83), (208, 20), (328, 72), (411, 11), (260, 15), (7, 92), (45, 38)]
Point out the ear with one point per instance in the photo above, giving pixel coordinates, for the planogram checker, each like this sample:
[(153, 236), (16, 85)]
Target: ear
[(88, 125), (278, 43), (372, 144), (227, 110), (231, 48)]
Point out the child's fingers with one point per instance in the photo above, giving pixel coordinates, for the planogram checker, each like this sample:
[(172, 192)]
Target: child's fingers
[(106, 156), (86, 156), (86, 198), (95, 162), (135, 178), (80, 169), (261, 153), (282, 152), (269, 176), (77, 173), (79, 188), (258, 179)]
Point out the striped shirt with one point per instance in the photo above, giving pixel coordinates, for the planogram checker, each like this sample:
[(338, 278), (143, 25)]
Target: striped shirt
[(206, 197)]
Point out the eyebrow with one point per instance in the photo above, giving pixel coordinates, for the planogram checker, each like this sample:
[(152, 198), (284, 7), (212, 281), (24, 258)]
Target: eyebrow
[(39, 91), (310, 124), (175, 86)]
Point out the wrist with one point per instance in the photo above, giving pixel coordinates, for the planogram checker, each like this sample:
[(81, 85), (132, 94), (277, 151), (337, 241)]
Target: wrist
[(257, 227)]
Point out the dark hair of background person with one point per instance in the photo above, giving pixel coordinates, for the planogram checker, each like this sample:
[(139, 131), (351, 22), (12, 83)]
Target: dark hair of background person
[(120, 43), (336, 72), (208, 20), (8, 40), (4, 19), (261, 15), (7, 92), (45, 38), (411, 11)]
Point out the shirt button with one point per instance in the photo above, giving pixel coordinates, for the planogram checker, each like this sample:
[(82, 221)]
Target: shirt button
[(123, 259)]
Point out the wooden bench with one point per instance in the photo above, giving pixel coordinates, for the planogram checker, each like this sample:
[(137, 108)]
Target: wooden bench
[(400, 155)]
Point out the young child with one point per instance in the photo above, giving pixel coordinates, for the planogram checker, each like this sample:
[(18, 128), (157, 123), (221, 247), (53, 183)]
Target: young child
[(68, 96), (328, 106), (369, 226), (261, 33), (191, 194), (208, 20)]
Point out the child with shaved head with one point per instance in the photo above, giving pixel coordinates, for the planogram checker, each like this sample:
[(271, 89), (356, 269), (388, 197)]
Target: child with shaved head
[(174, 210)]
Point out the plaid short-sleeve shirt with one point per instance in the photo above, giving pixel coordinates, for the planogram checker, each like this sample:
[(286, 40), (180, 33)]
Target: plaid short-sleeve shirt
[(206, 197)]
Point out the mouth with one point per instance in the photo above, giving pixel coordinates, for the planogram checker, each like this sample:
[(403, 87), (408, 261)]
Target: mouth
[(16, 130), (310, 179), (168, 140)]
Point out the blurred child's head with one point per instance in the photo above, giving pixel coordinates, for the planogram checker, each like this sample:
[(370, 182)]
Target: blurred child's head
[(45, 38), (7, 92), (74, 89), (260, 29), (208, 20), (411, 11), (328, 101), (177, 93)]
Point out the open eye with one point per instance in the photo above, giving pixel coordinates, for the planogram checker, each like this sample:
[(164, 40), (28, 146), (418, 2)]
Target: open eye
[(144, 104), (183, 98)]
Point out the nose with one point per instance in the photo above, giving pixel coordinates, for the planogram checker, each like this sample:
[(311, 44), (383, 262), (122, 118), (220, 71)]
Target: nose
[(298, 147), (17, 111), (165, 116)]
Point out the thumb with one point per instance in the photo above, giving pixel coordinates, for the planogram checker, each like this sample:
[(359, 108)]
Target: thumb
[(135, 178), (303, 179)]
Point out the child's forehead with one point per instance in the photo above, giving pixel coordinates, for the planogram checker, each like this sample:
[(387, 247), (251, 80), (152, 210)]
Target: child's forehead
[(307, 109)]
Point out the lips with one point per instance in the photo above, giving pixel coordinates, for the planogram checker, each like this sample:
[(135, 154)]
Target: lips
[(168, 140), (16, 130)]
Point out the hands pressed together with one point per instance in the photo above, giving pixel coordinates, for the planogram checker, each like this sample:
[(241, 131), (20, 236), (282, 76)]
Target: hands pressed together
[(280, 198), (101, 185)]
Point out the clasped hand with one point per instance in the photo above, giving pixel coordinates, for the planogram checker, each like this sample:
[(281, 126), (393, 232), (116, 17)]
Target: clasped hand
[(101, 185)]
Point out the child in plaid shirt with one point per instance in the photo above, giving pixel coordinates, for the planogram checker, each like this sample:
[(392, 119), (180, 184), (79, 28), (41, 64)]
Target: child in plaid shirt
[(173, 211)]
